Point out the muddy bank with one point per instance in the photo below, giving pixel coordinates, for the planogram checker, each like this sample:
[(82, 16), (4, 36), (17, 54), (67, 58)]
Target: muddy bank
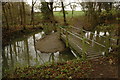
[(50, 43)]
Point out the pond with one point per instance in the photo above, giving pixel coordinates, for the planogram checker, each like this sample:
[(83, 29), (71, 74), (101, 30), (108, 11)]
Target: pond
[(22, 52)]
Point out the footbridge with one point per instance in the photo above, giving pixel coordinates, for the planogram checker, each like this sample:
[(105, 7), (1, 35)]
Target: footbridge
[(85, 43)]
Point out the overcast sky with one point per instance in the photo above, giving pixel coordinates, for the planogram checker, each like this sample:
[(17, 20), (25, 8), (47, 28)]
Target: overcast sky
[(58, 9), (68, 1)]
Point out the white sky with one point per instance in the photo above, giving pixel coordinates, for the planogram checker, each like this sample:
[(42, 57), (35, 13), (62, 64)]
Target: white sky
[(58, 9), (29, 2)]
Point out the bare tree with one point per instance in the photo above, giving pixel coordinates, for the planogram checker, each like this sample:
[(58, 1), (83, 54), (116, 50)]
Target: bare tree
[(47, 11), (64, 16), (32, 12), (72, 6), (10, 13), (24, 17), (51, 9), (21, 14), (5, 15)]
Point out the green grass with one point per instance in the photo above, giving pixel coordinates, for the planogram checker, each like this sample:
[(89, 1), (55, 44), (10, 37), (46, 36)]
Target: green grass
[(60, 14), (69, 13)]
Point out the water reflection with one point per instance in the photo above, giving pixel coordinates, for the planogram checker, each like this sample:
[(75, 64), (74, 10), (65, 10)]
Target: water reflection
[(22, 53)]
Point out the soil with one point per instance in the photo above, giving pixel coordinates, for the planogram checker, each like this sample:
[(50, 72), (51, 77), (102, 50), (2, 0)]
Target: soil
[(50, 43), (105, 67)]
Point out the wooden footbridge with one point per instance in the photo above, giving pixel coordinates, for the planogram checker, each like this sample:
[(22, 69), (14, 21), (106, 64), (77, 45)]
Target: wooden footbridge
[(84, 43)]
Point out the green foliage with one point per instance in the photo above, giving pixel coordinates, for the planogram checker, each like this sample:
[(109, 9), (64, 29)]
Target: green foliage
[(106, 27), (112, 12)]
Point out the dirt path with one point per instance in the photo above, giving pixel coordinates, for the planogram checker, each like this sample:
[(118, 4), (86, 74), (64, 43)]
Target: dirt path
[(50, 44)]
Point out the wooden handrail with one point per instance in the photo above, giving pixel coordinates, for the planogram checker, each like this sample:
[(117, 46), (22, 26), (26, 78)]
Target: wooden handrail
[(93, 41), (90, 32), (82, 39)]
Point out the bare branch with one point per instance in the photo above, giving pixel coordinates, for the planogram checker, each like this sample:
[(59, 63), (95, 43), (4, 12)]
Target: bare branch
[(34, 2)]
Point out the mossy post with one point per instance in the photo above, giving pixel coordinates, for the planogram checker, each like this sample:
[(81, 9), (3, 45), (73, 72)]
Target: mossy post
[(107, 45), (83, 46), (61, 32), (83, 49), (66, 37)]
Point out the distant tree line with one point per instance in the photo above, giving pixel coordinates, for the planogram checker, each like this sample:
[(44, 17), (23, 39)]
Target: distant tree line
[(21, 13), (101, 12), (15, 13)]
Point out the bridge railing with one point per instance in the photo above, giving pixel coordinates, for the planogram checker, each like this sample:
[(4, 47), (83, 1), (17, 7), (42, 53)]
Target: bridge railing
[(90, 32), (81, 38), (66, 31), (107, 43)]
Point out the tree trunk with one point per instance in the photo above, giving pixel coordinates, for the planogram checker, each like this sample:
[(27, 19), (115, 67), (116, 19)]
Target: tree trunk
[(6, 17), (32, 14), (64, 16), (51, 9), (10, 12), (118, 35), (72, 13), (21, 14), (24, 17), (47, 11)]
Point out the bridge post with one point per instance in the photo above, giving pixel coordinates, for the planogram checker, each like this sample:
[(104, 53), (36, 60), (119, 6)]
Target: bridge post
[(83, 45), (60, 32), (107, 45), (66, 37)]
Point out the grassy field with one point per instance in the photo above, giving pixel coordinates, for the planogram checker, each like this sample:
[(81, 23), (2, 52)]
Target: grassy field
[(70, 20), (38, 16), (59, 16), (69, 13)]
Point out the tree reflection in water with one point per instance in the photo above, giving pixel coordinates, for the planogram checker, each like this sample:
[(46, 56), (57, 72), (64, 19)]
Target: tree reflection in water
[(22, 53)]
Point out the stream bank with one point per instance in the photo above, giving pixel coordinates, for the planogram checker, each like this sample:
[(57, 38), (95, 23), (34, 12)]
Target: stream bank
[(9, 35)]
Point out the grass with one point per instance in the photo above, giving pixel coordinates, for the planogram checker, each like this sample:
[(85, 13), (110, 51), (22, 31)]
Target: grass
[(70, 69), (69, 13), (60, 14)]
